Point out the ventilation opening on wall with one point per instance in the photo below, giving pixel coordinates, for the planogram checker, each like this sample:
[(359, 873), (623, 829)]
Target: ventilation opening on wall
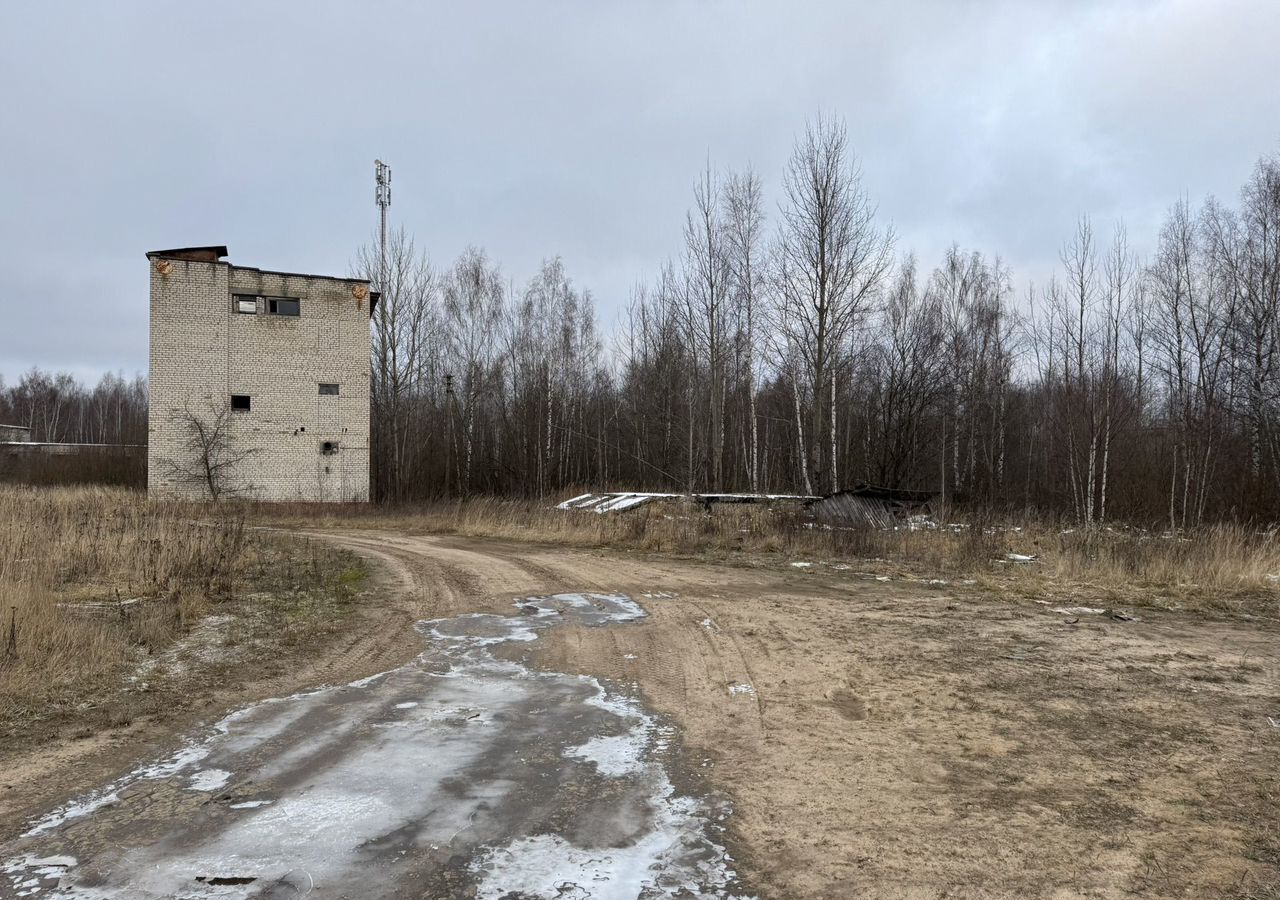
[(328, 448), (240, 402)]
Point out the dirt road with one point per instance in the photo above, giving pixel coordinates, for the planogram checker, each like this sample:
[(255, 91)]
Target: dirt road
[(882, 739)]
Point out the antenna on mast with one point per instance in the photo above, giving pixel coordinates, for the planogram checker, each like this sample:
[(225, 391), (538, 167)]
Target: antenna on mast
[(382, 197)]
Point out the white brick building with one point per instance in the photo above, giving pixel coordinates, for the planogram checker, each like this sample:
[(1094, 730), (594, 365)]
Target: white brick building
[(273, 365)]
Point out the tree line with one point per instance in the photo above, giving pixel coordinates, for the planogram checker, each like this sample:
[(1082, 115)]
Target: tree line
[(801, 350), (57, 407)]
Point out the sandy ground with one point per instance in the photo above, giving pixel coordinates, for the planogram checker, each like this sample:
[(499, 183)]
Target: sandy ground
[(879, 739)]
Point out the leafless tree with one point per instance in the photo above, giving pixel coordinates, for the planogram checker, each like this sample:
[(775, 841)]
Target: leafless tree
[(1192, 316), (905, 376), (707, 316), (832, 261), (404, 331), (472, 310), (748, 265), (210, 452)]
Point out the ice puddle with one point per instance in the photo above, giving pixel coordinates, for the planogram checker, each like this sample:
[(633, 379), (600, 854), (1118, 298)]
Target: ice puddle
[(461, 771)]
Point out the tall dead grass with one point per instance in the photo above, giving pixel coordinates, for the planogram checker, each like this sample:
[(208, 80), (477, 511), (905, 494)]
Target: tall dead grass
[(89, 575), (1222, 566)]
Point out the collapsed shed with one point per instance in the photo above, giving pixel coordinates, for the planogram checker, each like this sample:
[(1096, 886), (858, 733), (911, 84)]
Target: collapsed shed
[(871, 506), (862, 506), (618, 501)]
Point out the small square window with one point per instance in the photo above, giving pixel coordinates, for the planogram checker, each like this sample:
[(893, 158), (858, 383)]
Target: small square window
[(329, 389), (240, 402), (246, 303), (284, 306)]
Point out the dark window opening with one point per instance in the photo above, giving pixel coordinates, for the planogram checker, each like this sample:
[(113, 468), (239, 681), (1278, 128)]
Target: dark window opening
[(240, 401), (284, 306), (329, 389), (245, 303)]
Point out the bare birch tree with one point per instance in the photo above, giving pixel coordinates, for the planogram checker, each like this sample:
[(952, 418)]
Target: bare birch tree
[(744, 228), (832, 261)]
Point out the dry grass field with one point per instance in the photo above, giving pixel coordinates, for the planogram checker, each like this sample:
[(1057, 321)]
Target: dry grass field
[(905, 714), (114, 606), (1221, 568)]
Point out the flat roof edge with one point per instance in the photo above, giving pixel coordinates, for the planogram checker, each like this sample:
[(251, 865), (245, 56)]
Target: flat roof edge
[(184, 255), (347, 278)]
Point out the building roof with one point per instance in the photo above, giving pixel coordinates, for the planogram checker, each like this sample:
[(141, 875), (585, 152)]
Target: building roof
[(216, 252), (194, 254)]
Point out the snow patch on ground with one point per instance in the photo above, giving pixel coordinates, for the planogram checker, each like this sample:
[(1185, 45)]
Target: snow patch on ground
[(659, 864), (208, 643), (365, 682), (673, 858), (616, 755), (209, 779), (172, 765), (29, 875)]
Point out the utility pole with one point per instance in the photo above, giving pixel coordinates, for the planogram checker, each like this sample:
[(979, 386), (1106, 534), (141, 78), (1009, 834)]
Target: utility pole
[(448, 456), (382, 197)]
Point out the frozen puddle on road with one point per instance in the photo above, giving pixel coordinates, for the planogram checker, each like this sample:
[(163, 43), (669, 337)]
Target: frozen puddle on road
[(460, 774)]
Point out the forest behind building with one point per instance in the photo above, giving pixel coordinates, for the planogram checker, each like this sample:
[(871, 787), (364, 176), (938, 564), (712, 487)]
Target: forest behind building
[(799, 347)]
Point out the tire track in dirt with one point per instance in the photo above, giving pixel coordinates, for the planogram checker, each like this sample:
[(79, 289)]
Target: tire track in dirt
[(889, 728)]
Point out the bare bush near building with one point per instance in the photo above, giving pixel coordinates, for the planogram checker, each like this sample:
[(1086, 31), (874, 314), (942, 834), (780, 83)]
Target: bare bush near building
[(210, 452)]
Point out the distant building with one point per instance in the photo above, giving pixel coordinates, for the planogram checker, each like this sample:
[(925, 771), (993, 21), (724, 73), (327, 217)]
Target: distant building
[(14, 434), (259, 385)]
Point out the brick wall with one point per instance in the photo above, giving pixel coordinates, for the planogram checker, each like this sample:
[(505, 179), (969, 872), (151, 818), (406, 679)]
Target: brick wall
[(203, 351)]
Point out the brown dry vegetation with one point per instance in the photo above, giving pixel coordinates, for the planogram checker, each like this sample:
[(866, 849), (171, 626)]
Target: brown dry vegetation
[(1220, 568), (902, 739), (99, 585)]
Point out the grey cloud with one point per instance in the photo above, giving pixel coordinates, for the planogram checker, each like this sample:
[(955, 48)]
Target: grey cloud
[(578, 129)]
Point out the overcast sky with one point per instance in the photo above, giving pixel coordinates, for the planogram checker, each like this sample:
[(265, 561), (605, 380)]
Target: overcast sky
[(577, 128)]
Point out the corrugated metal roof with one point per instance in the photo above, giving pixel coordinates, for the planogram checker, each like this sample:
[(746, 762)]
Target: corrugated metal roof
[(618, 501)]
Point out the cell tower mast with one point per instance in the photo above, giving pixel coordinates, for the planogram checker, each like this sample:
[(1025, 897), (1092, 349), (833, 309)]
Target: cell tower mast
[(382, 196)]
